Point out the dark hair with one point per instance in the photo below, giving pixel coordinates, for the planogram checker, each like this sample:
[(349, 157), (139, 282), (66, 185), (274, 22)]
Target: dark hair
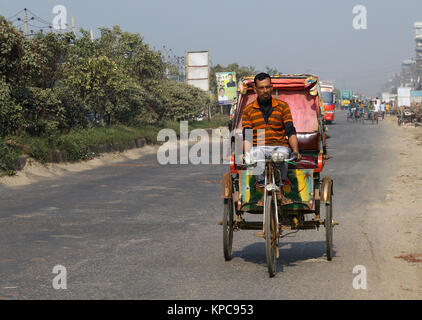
[(221, 89), (261, 76)]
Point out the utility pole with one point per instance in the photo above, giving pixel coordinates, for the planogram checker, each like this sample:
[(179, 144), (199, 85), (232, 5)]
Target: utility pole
[(73, 26), (26, 23)]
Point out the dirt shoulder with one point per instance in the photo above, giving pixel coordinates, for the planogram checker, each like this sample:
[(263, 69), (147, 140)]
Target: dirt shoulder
[(35, 171), (400, 240)]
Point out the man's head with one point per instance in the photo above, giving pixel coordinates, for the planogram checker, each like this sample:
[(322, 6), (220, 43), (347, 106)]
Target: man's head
[(263, 86), (222, 92), (230, 77)]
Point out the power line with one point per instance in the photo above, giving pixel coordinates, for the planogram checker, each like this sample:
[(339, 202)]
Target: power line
[(40, 19), (41, 27), (39, 24), (15, 14)]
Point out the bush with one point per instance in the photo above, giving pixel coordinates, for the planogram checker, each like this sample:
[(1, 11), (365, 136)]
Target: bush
[(9, 158), (11, 117)]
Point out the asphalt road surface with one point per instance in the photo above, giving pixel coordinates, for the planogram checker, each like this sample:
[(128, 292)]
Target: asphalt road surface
[(140, 230)]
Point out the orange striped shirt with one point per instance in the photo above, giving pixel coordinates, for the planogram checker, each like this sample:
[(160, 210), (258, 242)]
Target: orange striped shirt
[(275, 132)]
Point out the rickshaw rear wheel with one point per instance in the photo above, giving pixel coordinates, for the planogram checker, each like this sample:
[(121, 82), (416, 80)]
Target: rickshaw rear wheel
[(270, 235), (329, 228), (228, 228)]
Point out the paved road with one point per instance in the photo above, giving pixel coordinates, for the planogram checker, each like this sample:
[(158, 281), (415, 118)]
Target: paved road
[(139, 230)]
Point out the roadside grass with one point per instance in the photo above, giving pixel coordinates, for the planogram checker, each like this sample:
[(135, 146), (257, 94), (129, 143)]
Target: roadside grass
[(218, 120), (85, 144)]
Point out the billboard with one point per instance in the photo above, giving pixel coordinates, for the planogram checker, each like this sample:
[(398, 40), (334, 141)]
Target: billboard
[(403, 97), (226, 87), (197, 69), (416, 96)]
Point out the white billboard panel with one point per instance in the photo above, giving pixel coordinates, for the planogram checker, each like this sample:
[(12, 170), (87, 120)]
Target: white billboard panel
[(403, 97), (198, 59), (202, 84), (197, 69), (197, 72)]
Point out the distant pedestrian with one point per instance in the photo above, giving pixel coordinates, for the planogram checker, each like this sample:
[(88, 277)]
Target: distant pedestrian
[(377, 107), (383, 110)]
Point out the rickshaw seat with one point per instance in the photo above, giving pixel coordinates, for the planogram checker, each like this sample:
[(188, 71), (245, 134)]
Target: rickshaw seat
[(309, 143), (307, 162)]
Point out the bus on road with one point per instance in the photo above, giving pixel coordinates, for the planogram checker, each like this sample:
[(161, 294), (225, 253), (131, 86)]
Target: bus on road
[(328, 97)]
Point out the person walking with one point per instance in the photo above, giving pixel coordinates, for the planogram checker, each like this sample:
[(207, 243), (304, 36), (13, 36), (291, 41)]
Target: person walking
[(382, 110), (377, 107)]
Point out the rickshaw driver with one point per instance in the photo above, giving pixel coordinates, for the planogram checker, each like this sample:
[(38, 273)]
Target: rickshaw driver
[(274, 116)]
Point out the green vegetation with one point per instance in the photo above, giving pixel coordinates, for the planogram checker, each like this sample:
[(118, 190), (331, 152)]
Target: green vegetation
[(64, 93), (84, 144), (9, 159)]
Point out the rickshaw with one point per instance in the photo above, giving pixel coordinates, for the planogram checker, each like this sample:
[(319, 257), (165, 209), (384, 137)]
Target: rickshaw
[(309, 193), (367, 115), (354, 114), (351, 114)]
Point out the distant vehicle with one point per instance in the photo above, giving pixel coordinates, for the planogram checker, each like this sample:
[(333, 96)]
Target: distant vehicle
[(328, 97), (346, 97)]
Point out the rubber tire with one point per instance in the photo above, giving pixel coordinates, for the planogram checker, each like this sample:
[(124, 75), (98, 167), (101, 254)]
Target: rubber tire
[(228, 229), (329, 229), (270, 232)]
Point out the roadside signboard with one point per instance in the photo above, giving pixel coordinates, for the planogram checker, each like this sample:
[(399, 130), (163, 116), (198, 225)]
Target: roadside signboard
[(403, 97), (197, 69), (416, 96), (226, 87)]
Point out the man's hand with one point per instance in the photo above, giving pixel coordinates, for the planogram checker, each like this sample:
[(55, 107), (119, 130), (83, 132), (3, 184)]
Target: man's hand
[(298, 156), (294, 143)]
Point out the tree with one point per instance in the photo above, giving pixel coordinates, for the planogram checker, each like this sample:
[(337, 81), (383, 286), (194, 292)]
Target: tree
[(49, 52), (11, 120), (272, 71), (11, 52), (130, 52), (96, 81)]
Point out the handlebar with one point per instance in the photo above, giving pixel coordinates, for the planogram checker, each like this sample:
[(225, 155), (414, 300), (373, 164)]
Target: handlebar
[(290, 161)]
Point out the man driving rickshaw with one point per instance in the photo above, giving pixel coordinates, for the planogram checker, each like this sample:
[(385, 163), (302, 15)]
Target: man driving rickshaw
[(274, 129), (274, 118)]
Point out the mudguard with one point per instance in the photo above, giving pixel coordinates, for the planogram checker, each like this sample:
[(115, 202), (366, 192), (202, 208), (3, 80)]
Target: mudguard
[(227, 186), (326, 190)]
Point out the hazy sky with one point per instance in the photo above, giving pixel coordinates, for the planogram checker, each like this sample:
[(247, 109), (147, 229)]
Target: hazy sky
[(292, 36)]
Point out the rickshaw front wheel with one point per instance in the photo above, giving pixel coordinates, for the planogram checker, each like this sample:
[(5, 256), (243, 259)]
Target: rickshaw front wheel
[(270, 234), (228, 228), (329, 228)]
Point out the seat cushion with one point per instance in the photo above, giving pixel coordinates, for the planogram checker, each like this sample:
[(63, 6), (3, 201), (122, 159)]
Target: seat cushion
[(307, 162), (308, 141)]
